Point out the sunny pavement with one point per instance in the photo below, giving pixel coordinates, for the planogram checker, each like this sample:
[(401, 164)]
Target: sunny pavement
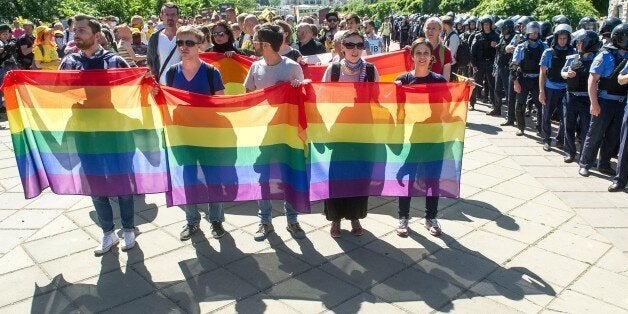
[(528, 235)]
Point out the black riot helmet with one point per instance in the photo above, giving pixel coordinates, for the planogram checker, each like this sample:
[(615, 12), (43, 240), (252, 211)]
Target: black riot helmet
[(619, 37), (533, 27), (508, 27), (546, 29), (608, 25), (588, 22), (590, 40), (560, 19), (562, 29)]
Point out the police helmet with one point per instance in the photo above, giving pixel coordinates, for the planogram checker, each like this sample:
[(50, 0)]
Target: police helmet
[(608, 25), (508, 27), (562, 29), (524, 20), (533, 27), (588, 22), (619, 36), (590, 40), (560, 19), (486, 19), (546, 29)]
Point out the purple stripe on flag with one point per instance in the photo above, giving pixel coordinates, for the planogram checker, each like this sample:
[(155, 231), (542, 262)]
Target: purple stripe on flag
[(349, 188)]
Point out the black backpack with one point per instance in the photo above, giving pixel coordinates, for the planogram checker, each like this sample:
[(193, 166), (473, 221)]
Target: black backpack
[(463, 54), (209, 70), (370, 72)]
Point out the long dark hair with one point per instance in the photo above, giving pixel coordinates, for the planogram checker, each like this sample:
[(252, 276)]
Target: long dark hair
[(228, 31)]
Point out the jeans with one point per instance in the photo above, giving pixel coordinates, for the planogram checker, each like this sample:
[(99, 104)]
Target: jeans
[(431, 207), (529, 86), (102, 204), (622, 158), (193, 216), (265, 208), (501, 89), (553, 102), (576, 115), (603, 134)]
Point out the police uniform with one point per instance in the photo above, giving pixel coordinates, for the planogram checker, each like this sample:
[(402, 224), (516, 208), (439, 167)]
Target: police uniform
[(503, 83), (482, 58), (576, 112), (604, 128), (555, 88), (620, 180), (528, 56)]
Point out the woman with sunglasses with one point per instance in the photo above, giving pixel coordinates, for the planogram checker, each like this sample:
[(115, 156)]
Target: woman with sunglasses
[(352, 68), (194, 75), (222, 39), (423, 59)]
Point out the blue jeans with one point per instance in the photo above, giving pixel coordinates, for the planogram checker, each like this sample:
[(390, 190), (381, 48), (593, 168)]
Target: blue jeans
[(577, 115), (265, 208), (603, 134), (431, 207), (622, 159), (193, 216), (553, 102), (102, 204)]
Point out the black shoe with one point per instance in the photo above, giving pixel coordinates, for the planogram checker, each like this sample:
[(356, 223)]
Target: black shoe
[(607, 171), (568, 159), (616, 187), (508, 123), (217, 230), (584, 172), (494, 112), (188, 231), (519, 133), (547, 147), (560, 145), (472, 108)]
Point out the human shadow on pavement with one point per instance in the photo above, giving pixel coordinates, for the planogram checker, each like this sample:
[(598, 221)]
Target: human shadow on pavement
[(484, 128), (428, 275)]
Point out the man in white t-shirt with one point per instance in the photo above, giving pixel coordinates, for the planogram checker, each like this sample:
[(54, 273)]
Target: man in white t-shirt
[(451, 39), (162, 45), (270, 70), (375, 42)]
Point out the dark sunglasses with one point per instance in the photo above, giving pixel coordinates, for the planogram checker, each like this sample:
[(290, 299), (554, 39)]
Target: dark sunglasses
[(353, 45), (188, 43), (219, 34)]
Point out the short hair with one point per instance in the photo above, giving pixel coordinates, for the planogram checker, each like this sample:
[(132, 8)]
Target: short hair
[(70, 22), (307, 19), (421, 41), (286, 30), (241, 17), (136, 17), (338, 36), (433, 19), (351, 33), (447, 20), (235, 26), (331, 14), (190, 30), (271, 34), (169, 5), (353, 16), (370, 23), (230, 10), (92, 22)]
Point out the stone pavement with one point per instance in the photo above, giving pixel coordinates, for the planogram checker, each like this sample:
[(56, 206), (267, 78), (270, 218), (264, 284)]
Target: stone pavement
[(528, 235)]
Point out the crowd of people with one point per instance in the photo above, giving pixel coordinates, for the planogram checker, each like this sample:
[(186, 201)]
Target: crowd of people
[(545, 69)]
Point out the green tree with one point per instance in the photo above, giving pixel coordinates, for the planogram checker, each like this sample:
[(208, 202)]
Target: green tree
[(574, 9), (457, 6), (504, 7)]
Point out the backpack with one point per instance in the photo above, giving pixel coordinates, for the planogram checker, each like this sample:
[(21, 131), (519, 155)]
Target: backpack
[(99, 63), (463, 54), (370, 72), (209, 70)]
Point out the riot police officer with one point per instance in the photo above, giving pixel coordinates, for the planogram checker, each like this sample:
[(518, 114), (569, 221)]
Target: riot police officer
[(552, 86), (525, 69), (503, 86), (482, 57), (607, 103)]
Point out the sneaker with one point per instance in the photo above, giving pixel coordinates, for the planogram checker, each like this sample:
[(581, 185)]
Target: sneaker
[(263, 231), (108, 241), (356, 228), (547, 147), (129, 240), (519, 133), (188, 231), (433, 226), (335, 229), (217, 230), (402, 228), (296, 231)]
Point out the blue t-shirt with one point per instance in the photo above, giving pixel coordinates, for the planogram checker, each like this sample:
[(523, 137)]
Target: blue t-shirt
[(546, 61), (409, 78), (199, 83), (604, 64)]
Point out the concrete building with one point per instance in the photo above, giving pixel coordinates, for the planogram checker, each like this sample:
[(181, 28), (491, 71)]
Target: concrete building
[(618, 8)]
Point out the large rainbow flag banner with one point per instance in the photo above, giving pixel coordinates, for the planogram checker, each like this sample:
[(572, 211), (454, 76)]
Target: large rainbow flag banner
[(232, 70), (236, 148), (86, 132), (384, 139)]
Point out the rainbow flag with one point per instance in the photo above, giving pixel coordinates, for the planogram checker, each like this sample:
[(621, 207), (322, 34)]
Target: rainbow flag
[(384, 139), (86, 132), (389, 65), (236, 148), (232, 70)]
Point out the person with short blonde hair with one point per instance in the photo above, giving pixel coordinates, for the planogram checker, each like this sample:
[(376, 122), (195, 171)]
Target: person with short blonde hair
[(442, 54)]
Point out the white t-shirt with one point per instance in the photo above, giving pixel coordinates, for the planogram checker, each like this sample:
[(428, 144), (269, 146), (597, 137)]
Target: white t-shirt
[(454, 43), (262, 75), (374, 43), (164, 46)]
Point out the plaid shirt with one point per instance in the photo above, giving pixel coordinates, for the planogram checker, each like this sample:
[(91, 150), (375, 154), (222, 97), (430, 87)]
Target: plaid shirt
[(78, 61)]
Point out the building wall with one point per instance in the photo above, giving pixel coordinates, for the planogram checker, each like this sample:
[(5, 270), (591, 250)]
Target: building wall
[(618, 8)]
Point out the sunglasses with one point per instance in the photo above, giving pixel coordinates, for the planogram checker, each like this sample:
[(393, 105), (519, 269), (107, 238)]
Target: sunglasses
[(187, 43), (353, 45), (219, 34)]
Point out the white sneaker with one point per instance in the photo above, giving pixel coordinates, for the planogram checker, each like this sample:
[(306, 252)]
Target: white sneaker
[(402, 228), (108, 241), (129, 240)]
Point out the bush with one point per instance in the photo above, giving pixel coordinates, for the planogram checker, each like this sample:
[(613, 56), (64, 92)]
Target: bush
[(457, 6), (541, 9)]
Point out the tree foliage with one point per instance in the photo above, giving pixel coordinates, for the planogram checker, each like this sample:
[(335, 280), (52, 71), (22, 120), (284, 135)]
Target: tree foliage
[(541, 9), (457, 6)]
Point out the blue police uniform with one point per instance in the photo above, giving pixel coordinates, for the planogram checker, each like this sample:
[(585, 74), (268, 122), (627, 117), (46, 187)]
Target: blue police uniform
[(528, 56), (555, 88), (576, 112), (604, 129), (622, 159)]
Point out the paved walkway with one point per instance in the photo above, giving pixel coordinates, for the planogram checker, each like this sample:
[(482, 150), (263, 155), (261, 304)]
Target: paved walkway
[(527, 235)]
